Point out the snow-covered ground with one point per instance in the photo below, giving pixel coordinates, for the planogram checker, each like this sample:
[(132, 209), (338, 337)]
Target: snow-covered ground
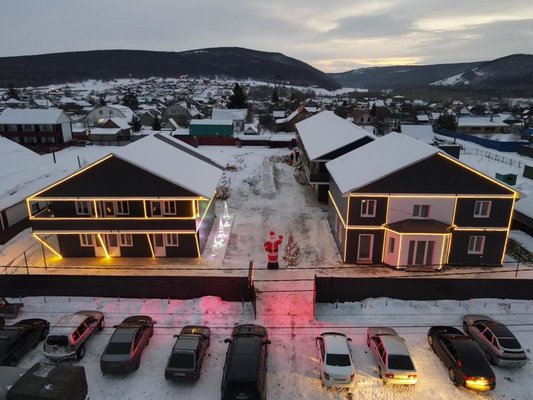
[(292, 363)]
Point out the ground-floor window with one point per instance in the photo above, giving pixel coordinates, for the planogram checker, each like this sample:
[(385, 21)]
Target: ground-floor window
[(171, 240), (476, 244), (125, 240), (86, 240)]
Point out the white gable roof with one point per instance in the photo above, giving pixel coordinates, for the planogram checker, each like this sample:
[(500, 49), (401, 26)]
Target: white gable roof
[(325, 132), (33, 116), (128, 113), (229, 114), (23, 172), (174, 161), (377, 159), (423, 133)]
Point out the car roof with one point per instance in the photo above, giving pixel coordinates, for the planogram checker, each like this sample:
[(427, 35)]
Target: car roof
[(249, 330), (394, 345), (244, 359), (67, 324), (499, 329), (187, 343), (335, 343), (123, 334)]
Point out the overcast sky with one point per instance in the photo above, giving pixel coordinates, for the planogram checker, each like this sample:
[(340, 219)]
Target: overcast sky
[(332, 35)]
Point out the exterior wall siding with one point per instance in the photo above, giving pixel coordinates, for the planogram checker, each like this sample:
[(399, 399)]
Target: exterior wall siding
[(492, 253), (440, 209), (500, 213), (353, 242), (355, 217)]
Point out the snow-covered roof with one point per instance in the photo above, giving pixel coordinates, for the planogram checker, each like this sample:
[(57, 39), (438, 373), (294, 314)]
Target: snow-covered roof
[(325, 132), (377, 159), (211, 122), (105, 131), (120, 122), (174, 161), (525, 206), (128, 112), (481, 121), (423, 133), (229, 114), (422, 118), (33, 116), (23, 172)]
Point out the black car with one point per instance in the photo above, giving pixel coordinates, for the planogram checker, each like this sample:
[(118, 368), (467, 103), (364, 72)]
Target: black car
[(244, 376), (18, 339), (185, 361), (466, 364)]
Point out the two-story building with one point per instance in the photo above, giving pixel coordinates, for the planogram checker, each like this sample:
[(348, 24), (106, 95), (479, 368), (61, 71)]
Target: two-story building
[(36, 127), (153, 198), (400, 202), (322, 138)]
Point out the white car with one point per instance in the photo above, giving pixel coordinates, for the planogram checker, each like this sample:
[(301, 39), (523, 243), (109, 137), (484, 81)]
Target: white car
[(336, 364), (394, 361)]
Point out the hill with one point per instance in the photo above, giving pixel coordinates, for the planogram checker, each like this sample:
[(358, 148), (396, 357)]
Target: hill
[(511, 72), (230, 62)]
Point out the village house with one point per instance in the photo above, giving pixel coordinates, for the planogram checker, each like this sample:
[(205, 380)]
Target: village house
[(143, 201), (36, 127), (101, 114), (322, 138), (114, 131), (482, 125), (237, 116), (288, 124), (23, 172), (403, 203), (182, 112)]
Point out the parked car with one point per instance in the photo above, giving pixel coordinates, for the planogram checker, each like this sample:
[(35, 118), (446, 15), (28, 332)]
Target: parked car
[(394, 361), (244, 376), (335, 357), (497, 342), (187, 356), (466, 364), (68, 337), (18, 339), (123, 352)]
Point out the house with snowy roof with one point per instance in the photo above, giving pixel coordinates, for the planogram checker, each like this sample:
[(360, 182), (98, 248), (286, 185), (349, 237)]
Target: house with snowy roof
[(114, 131), (36, 127), (181, 112), (237, 116), (101, 114), (288, 124), (322, 138), (22, 172), (400, 202), (482, 125), (152, 198)]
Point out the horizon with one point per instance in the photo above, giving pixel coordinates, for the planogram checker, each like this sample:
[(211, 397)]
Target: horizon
[(332, 38)]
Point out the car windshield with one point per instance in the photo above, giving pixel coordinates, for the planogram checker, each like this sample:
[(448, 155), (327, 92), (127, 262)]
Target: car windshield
[(401, 362), (248, 388), (118, 348), (338, 360), (57, 340), (182, 360), (509, 343)]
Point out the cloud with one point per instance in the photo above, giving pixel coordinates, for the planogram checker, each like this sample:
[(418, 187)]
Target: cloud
[(369, 26)]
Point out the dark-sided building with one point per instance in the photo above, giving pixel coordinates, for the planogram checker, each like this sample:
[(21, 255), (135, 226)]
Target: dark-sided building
[(153, 198), (400, 202), (322, 138)]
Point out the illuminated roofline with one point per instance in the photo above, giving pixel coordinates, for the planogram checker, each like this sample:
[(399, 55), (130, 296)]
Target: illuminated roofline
[(125, 198), (111, 232), (438, 196), (337, 209)]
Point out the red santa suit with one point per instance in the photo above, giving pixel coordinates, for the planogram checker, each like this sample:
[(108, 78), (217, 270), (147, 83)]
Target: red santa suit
[(271, 247)]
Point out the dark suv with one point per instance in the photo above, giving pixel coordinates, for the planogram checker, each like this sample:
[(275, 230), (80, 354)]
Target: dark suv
[(185, 361), (18, 339), (244, 376)]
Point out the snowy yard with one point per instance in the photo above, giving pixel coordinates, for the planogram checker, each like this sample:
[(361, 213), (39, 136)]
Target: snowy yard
[(292, 364)]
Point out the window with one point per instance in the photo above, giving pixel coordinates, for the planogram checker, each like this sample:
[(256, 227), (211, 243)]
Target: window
[(126, 240), (391, 245), (420, 252), (86, 240), (2, 128), (476, 244), (109, 208), (83, 208), (156, 208), (101, 112), (171, 240), (12, 128), (169, 208), (46, 128), (34, 208), (421, 211), (122, 208), (482, 209), (30, 139), (28, 128), (368, 208)]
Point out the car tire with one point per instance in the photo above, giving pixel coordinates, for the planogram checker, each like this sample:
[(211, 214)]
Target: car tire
[(430, 341), (465, 327), (44, 333), (81, 352), (489, 358), (101, 325), (451, 374)]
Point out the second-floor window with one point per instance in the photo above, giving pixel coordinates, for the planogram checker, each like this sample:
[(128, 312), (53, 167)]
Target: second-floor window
[(169, 208), (482, 209), (421, 210), (368, 208), (83, 208), (123, 207), (28, 128)]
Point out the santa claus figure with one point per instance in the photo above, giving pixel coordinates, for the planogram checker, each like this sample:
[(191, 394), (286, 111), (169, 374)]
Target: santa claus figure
[(271, 247)]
